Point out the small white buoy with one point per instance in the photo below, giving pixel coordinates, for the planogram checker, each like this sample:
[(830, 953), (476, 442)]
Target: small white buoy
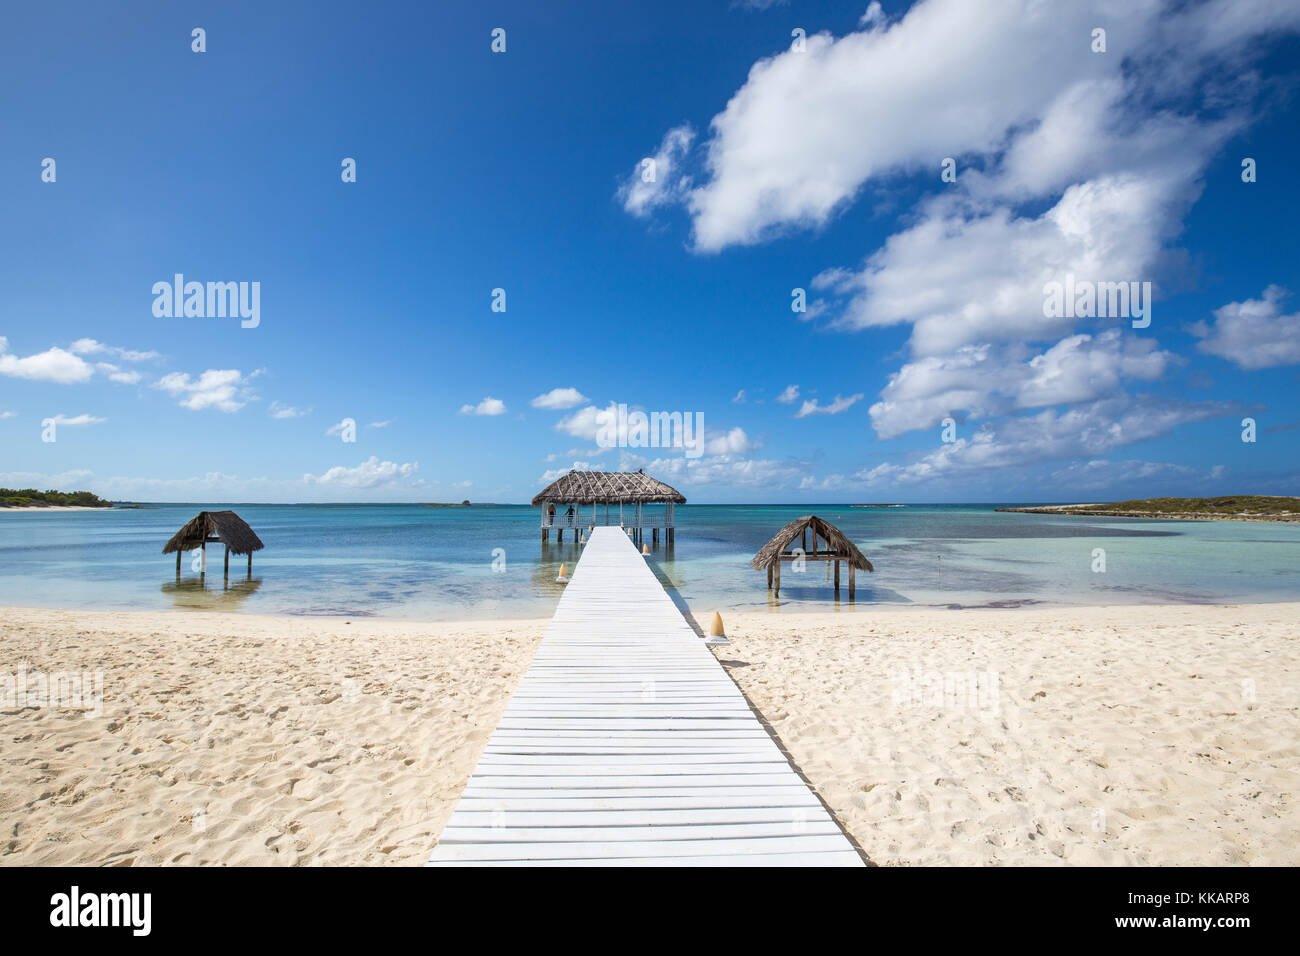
[(717, 634), (564, 575)]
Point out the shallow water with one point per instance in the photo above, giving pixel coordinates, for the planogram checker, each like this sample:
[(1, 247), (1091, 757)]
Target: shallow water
[(438, 563)]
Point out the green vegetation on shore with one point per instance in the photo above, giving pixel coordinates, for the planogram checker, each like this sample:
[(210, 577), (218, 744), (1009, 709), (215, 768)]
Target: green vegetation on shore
[(1241, 507), (1230, 504), (31, 498)]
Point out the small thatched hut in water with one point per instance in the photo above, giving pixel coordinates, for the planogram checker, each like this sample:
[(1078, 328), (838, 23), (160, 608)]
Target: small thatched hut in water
[(836, 547), (561, 502), (215, 527)]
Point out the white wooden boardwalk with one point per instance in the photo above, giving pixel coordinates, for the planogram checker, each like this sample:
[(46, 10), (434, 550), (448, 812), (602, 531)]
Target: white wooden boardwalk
[(626, 744)]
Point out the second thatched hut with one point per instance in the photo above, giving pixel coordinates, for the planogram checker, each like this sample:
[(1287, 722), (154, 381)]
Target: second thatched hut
[(791, 543), (215, 527)]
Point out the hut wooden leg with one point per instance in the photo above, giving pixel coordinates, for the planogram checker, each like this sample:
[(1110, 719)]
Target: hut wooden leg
[(837, 578), (545, 532), (227, 561), (204, 559), (852, 569), (769, 577), (250, 563), (178, 563), (778, 577)]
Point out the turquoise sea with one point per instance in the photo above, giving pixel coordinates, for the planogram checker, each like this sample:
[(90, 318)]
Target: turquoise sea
[(437, 563)]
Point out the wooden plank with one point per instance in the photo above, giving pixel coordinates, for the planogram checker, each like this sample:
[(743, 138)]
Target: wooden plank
[(627, 834), (832, 858), (777, 795), (794, 819), (593, 850), (583, 763), (626, 743), (625, 723), (608, 782)]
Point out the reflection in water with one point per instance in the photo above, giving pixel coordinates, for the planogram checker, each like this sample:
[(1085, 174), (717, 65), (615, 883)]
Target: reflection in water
[(553, 555), (547, 569), (221, 594), (821, 594)]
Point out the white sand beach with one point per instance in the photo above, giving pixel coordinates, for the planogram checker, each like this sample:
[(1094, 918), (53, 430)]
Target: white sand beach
[(239, 739), (1115, 736), (1121, 735)]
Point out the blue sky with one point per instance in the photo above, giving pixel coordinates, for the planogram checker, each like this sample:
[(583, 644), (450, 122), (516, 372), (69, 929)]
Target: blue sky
[(776, 168)]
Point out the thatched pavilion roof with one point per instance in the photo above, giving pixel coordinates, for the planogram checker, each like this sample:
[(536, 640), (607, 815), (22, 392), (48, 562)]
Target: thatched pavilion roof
[(232, 530), (608, 487), (838, 541)]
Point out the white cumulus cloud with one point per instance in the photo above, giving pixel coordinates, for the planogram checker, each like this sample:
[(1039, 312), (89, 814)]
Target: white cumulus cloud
[(371, 473), (489, 406), (559, 398), (731, 442), (53, 365), (1253, 334), (658, 179), (223, 389), (812, 407)]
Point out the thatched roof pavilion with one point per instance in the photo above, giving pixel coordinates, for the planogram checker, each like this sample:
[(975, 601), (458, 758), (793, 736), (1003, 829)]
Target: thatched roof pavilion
[(836, 547), (605, 487), (215, 527), (633, 488)]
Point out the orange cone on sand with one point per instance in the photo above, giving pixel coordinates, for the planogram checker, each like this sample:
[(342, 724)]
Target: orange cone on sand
[(717, 634)]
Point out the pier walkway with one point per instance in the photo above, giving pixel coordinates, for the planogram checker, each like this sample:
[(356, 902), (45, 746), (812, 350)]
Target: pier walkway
[(627, 744)]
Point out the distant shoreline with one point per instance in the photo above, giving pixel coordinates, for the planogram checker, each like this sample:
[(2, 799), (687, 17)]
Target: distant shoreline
[(1102, 512)]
